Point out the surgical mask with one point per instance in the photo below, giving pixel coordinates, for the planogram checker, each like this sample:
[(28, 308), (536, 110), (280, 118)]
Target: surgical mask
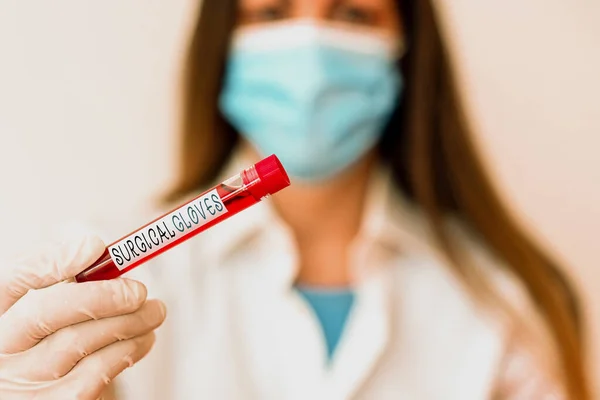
[(317, 96)]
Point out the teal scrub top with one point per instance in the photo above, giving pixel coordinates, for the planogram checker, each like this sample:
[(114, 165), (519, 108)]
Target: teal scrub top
[(332, 307)]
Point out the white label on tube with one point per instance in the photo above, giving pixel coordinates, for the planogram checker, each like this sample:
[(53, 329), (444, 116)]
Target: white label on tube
[(166, 230)]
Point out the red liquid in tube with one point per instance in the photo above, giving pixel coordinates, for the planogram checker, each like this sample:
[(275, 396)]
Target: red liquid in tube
[(237, 193)]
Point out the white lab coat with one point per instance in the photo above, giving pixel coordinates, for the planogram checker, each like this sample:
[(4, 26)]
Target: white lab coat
[(236, 329)]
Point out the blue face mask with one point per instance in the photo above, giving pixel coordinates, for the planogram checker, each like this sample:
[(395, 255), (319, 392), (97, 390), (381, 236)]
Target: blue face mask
[(317, 97)]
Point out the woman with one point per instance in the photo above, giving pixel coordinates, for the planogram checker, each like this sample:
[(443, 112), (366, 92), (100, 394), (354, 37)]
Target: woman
[(336, 288)]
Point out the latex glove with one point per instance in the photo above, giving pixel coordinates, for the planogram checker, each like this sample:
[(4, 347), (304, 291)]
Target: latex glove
[(66, 340)]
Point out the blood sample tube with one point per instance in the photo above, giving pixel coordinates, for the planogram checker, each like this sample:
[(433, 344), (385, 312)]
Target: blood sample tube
[(208, 209)]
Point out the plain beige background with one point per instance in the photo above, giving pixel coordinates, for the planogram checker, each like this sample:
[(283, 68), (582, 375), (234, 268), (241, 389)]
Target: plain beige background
[(88, 110)]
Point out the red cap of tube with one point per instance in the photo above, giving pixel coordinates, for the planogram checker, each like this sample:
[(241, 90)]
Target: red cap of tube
[(272, 176)]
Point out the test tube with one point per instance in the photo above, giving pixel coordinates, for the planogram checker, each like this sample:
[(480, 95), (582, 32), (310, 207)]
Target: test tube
[(237, 193)]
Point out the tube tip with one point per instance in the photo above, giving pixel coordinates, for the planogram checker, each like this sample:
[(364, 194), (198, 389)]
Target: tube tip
[(272, 175)]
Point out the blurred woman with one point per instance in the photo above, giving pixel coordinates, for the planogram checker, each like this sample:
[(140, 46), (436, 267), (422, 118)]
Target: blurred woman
[(389, 269)]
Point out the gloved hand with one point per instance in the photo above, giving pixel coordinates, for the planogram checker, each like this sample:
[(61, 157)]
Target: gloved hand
[(63, 340)]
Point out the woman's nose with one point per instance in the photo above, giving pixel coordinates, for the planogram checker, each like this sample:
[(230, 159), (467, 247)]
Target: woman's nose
[(310, 9)]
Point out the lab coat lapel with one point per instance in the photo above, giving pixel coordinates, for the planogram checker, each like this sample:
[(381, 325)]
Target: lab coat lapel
[(280, 345), (368, 329), (367, 335)]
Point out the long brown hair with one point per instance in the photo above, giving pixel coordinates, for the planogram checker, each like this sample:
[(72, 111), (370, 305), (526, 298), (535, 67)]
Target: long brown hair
[(429, 147)]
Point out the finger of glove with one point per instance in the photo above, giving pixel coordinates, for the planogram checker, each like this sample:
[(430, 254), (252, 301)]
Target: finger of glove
[(43, 312), (92, 375), (46, 267), (61, 351)]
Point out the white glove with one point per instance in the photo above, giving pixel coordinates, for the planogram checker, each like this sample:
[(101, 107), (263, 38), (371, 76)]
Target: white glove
[(64, 340)]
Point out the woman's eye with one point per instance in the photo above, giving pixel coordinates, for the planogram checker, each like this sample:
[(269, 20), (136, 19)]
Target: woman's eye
[(355, 15), (264, 14)]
